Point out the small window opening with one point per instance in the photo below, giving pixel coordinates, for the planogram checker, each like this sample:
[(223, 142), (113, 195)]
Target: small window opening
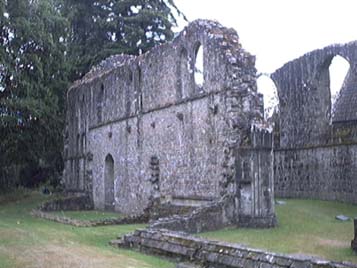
[(199, 77)]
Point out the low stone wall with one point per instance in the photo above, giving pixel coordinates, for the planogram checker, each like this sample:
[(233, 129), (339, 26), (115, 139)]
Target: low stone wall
[(212, 254), (91, 223), (76, 202), (71, 202), (213, 216), (158, 210), (206, 218)]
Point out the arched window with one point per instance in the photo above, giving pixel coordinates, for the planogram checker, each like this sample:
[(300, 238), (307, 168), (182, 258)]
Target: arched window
[(183, 77), (138, 89), (199, 75), (109, 201), (267, 88)]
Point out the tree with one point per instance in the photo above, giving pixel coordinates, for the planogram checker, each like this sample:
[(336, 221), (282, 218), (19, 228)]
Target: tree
[(100, 28), (33, 77), (45, 45)]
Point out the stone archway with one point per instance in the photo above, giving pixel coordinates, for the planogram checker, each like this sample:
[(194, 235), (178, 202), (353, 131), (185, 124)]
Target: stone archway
[(109, 201)]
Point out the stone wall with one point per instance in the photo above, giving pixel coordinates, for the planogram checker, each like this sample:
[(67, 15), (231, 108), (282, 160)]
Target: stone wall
[(215, 216), (165, 135), (327, 173), (80, 202), (305, 99), (315, 150), (208, 217), (88, 223), (212, 254), (71, 202)]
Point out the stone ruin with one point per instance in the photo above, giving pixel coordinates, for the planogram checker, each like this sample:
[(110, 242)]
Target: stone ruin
[(161, 132), (315, 143), (164, 137)]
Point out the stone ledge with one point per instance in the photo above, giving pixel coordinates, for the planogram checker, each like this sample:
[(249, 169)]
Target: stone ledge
[(210, 217), (76, 202), (89, 223), (183, 247)]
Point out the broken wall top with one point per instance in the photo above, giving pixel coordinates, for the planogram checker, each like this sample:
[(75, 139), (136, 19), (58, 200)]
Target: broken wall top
[(204, 31), (125, 85), (305, 99)]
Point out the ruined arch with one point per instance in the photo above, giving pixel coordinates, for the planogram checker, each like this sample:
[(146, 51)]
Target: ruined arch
[(330, 78), (266, 86), (338, 70), (109, 201)]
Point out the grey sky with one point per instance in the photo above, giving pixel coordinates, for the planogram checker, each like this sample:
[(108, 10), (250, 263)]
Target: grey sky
[(277, 31)]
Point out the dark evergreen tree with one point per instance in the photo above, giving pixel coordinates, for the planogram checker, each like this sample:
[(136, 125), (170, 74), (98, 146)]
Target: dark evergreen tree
[(100, 28), (45, 45), (33, 81)]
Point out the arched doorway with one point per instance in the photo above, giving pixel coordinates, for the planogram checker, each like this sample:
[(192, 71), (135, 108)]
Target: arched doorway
[(109, 202)]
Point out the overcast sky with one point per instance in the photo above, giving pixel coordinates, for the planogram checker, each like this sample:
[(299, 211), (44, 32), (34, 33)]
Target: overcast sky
[(277, 31)]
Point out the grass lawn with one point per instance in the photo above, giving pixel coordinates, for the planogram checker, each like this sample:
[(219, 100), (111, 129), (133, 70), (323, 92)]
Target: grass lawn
[(306, 227), (87, 215), (26, 241)]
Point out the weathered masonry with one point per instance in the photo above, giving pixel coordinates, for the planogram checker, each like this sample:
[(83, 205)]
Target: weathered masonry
[(201, 253), (316, 145), (163, 126)]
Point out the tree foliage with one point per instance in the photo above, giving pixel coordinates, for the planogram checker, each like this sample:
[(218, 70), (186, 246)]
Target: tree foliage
[(47, 44), (32, 99), (104, 27)]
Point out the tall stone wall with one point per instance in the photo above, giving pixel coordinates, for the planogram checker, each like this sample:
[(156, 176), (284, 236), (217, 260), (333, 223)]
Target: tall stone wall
[(168, 136), (315, 155), (303, 86)]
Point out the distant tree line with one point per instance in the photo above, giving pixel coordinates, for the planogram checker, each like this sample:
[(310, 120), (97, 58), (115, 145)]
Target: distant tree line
[(44, 46)]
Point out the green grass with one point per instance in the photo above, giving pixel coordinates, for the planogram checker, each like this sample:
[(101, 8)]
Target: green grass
[(88, 215), (305, 227), (26, 241)]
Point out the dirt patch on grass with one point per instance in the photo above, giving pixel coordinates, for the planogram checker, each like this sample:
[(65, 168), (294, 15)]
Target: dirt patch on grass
[(11, 235), (333, 243), (57, 256)]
